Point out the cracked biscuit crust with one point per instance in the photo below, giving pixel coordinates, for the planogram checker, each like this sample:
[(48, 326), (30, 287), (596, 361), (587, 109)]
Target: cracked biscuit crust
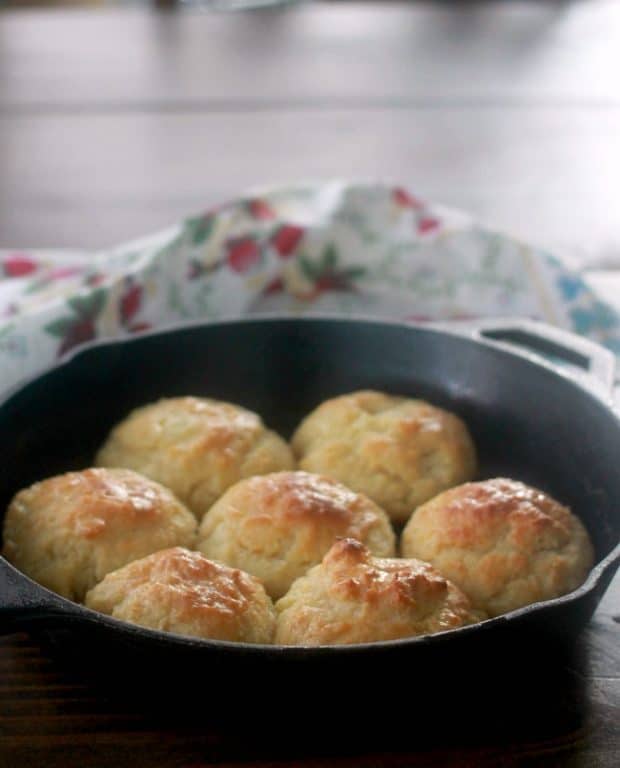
[(503, 543), (278, 526), (399, 452), (68, 531), (353, 597), (176, 590), (196, 447)]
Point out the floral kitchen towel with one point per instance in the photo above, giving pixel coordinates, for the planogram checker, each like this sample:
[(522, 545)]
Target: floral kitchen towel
[(369, 249)]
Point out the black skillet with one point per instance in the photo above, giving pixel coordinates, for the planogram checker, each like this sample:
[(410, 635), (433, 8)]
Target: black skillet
[(530, 419)]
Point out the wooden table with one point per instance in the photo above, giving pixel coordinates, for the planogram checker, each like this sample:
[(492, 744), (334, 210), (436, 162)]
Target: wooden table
[(114, 124)]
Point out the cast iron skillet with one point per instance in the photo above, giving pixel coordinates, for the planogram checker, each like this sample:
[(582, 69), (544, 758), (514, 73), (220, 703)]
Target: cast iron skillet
[(530, 421)]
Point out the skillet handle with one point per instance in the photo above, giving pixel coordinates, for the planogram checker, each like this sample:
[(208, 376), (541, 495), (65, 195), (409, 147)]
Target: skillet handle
[(589, 363), (22, 602)]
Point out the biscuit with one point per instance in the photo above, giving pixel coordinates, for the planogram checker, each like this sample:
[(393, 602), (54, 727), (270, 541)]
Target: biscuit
[(399, 452), (179, 591), (196, 447), (278, 526), (352, 597), (503, 543), (68, 531)]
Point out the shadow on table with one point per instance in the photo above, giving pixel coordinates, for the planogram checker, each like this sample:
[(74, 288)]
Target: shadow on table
[(481, 704)]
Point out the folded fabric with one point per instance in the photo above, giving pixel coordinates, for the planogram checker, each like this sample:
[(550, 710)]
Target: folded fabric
[(355, 249)]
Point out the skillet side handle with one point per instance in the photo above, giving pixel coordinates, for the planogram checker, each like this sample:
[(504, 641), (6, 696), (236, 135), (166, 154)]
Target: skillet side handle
[(584, 360), (605, 571), (23, 603)]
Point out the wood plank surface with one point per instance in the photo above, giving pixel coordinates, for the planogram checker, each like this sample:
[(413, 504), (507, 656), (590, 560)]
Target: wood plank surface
[(545, 174), (114, 124), (511, 111), (50, 716), (317, 54)]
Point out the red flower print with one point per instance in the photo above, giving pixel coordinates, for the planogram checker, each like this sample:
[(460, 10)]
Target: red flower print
[(140, 327), (259, 209), (286, 240), (94, 280), (334, 282), (428, 224), (78, 333), (130, 303), (78, 326), (19, 265), (275, 286), (404, 199), (242, 254), (326, 275), (60, 273)]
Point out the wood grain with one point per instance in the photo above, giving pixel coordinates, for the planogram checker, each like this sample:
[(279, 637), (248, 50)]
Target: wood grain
[(511, 111), (94, 180), (49, 717)]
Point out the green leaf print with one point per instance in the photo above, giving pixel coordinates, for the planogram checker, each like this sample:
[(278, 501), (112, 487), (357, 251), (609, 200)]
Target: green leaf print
[(60, 327), (199, 229), (310, 270), (89, 305), (36, 285), (330, 258), (353, 273)]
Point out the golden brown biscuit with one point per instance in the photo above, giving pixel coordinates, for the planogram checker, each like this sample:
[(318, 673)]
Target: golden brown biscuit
[(278, 526), (176, 590), (503, 543), (399, 452), (68, 531), (352, 597), (196, 447)]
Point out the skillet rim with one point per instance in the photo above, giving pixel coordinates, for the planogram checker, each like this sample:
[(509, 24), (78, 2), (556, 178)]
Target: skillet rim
[(55, 606)]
